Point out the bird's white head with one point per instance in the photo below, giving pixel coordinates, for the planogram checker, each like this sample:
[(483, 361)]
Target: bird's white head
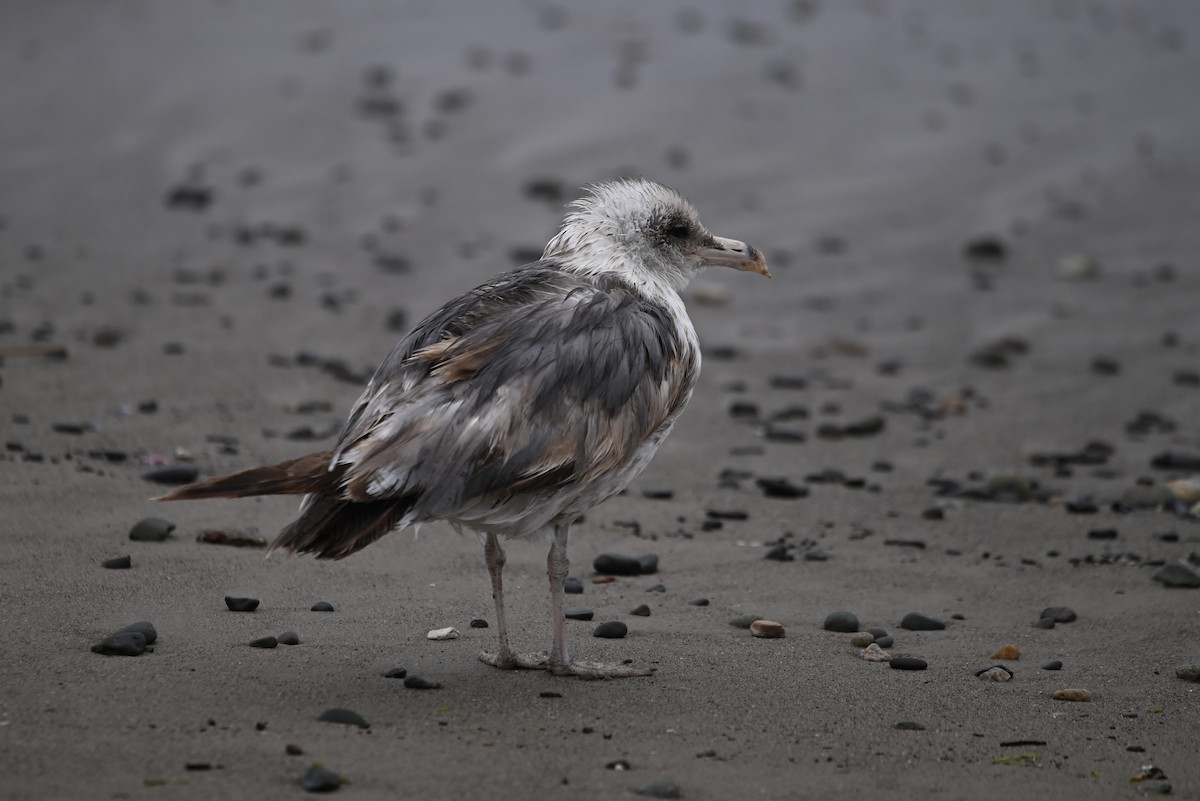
[(646, 233)]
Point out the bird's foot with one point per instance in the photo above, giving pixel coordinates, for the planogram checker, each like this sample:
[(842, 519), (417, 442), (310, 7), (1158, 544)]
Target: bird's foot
[(599, 670), (509, 660)]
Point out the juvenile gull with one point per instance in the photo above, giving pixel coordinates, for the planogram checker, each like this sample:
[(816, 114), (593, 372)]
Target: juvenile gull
[(522, 404)]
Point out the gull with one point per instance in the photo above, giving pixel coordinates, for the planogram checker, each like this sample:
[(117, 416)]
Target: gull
[(515, 408)]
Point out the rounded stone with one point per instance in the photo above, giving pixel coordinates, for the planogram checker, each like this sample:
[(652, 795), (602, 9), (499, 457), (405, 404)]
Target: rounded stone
[(767, 629), (1177, 575), (914, 621), (641, 610), (907, 663), (322, 606), (346, 717), (909, 725), (129, 643), (236, 604), (142, 627), (320, 780), (648, 563), (612, 630), (118, 563), (396, 673), (580, 614), (264, 642), (661, 788), (846, 622), (289, 638), (173, 474), (698, 602), (614, 564), (1072, 694), (479, 623), (1059, 614), (1044, 623), (885, 642), (862, 639), (573, 586), (1053, 664), (1188, 672), (151, 529)]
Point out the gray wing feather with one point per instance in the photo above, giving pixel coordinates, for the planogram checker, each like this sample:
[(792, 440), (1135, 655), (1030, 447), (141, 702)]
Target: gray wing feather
[(533, 381)]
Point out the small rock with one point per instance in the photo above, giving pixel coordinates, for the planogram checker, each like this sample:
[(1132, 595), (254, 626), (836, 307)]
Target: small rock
[(698, 602), (1186, 489), (264, 642), (1102, 534), (767, 629), (580, 614), (479, 623), (291, 749), (289, 638), (418, 683), (347, 717), (862, 639), (780, 488), (661, 788), (573, 586), (778, 553), (448, 633), (1177, 575), (1072, 694), (1008, 652), (612, 630), (612, 564), (173, 474), (142, 627), (1053, 664), (641, 611), (885, 641), (129, 643), (995, 673), (743, 621), (241, 604), (846, 622), (873, 653), (396, 673), (1059, 614), (151, 529), (549, 694), (909, 725), (118, 563), (918, 622), (1188, 672), (322, 606), (815, 555), (603, 579), (1044, 623), (907, 663), (648, 563), (320, 780)]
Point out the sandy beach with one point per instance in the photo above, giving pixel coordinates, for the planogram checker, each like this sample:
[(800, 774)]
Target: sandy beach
[(978, 366)]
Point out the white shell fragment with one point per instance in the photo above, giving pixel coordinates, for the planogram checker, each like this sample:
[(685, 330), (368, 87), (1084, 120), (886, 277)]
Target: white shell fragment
[(1186, 489), (448, 633)]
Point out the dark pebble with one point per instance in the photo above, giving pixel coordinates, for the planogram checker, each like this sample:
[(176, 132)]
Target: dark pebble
[(264, 642), (580, 614), (573, 586), (917, 622), (886, 641), (641, 611), (151, 529), (1044, 623), (780, 488), (1059, 614), (173, 474), (1053, 664), (347, 717), (846, 622), (289, 638), (698, 602), (418, 683), (479, 623), (648, 563), (396, 673), (322, 606), (197, 766), (129, 643), (118, 563), (779, 553), (816, 555), (291, 749), (910, 725), (612, 630), (876, 632), (656, 588), (241, 604), (1177, 575), (1176, 461), (933, 513), (658, 494), (661, 788), (908, 663), (142, 627), (612, 564), (320, 780), (549, 694), (1102, 534), (727, 514)]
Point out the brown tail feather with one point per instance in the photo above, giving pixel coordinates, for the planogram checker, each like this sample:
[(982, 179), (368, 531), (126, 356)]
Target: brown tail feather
[(293, 477), (333, 528)]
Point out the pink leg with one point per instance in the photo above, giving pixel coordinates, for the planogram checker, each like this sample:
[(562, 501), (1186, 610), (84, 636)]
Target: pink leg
[(505, 658)]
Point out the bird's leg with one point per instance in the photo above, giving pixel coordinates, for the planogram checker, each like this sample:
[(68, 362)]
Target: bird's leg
[(557, 566), (505, 658)]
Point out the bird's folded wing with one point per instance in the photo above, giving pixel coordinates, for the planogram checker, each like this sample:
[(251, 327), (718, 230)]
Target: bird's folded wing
[(527, 384)]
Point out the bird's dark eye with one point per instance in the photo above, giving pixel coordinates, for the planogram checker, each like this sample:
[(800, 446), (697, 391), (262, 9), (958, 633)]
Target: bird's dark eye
[(678, 231)]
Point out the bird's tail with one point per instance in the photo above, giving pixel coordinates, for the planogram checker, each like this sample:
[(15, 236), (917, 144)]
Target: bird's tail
[(307, 474)]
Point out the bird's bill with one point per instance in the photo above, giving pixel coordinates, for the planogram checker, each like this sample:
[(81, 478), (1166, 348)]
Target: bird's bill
[(736, 254)]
